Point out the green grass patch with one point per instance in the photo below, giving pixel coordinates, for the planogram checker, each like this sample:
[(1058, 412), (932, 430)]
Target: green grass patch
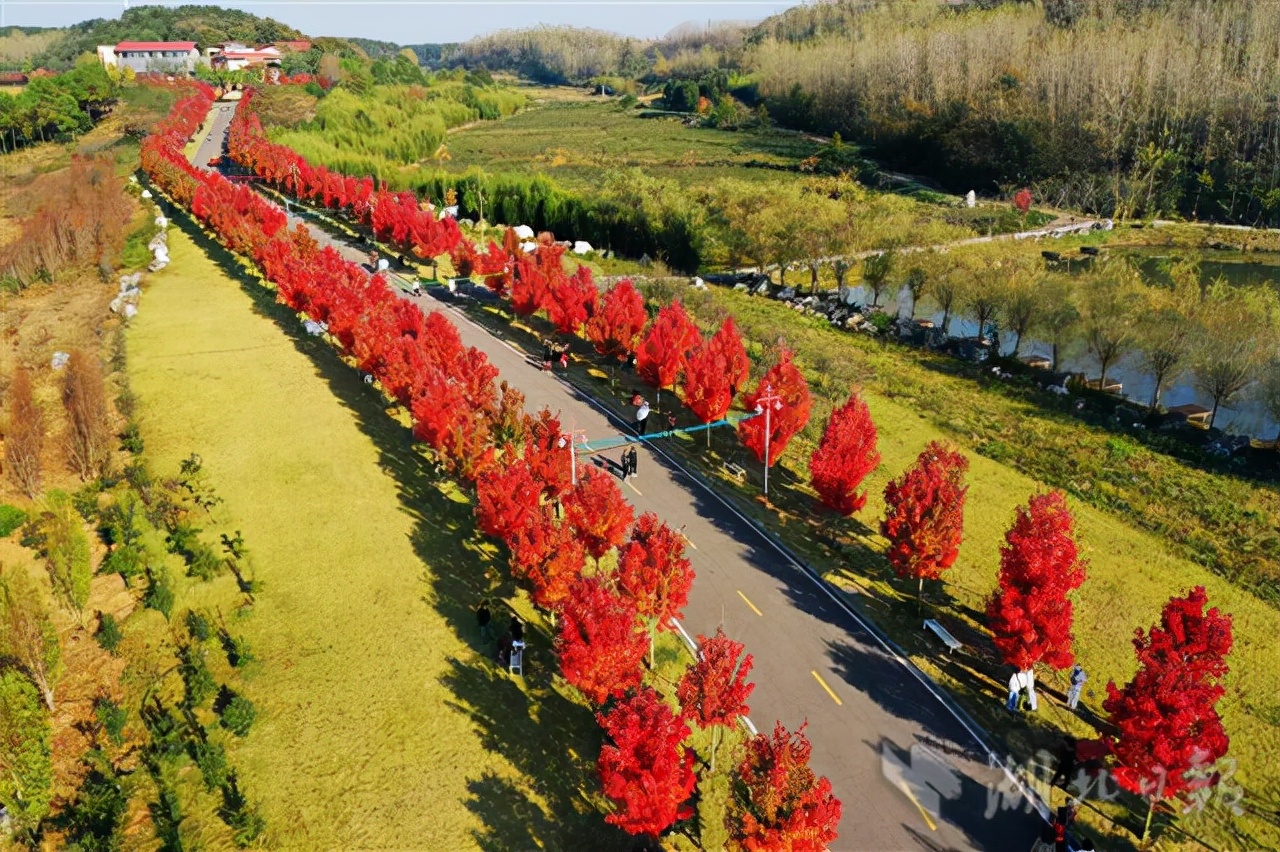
[(379, 717)]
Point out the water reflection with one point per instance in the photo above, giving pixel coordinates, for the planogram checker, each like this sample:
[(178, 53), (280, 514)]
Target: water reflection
[(1246, 416)]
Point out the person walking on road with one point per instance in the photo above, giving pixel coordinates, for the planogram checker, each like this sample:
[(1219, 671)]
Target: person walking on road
[(642, 417), (1078, 677), (632, 457)]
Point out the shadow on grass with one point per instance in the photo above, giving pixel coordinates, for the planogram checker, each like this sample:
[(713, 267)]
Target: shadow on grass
[(536, 730)]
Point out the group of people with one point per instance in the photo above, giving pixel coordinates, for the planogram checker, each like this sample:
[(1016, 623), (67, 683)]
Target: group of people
[(1025, 682), (553, 352), (627, 464), (511, 640)]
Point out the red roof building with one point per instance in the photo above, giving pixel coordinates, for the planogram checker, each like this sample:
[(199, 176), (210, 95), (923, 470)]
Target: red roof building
[(154, 46)]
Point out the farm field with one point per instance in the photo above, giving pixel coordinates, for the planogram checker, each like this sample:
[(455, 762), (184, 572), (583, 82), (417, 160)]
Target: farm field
[(580, 140), (381, 723)]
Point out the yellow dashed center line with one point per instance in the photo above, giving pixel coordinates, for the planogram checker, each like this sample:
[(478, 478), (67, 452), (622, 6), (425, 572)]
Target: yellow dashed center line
[(823, 684), (750, 604)]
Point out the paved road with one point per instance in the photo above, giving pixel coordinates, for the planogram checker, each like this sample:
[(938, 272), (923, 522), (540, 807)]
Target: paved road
[(813, 660)]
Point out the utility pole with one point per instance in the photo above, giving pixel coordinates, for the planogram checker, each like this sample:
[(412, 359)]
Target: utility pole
[(767, 402)]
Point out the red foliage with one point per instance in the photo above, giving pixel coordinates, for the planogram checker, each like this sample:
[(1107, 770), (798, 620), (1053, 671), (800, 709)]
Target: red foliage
[(844, 457), (600, 645), (924, 513), (572, 301), (652, 568), (1022, 200), (789, 414), (549, 462), (661, 354), (1030, 616), (706, 386), (644, 769), (728, 343), (597, 510), (507, 498), (615, 328), (530, 290), (549, 556), (1169, 733), (782, 805), (714, 690)]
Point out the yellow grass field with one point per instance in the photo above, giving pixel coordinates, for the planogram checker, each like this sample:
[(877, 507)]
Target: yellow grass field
[(381, 722)]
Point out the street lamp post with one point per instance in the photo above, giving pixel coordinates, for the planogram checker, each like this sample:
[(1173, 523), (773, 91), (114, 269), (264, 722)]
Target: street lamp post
[(768, 401)]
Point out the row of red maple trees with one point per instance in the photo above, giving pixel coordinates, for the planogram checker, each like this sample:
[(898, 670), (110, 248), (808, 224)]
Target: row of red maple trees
[(550, 519), (1164, 738), (1030, 615)]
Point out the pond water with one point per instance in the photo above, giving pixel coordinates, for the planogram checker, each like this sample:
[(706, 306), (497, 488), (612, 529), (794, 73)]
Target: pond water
[(1245, 416)]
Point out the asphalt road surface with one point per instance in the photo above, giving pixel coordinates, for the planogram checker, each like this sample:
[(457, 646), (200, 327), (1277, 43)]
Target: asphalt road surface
[(909, 774)]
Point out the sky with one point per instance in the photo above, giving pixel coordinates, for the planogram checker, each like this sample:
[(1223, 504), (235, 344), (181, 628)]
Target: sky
[(427, 21)]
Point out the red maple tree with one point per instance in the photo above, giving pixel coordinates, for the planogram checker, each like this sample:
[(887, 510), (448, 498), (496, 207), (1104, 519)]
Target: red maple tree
[(549, 556), (780, 804), (728, 342), (614, 330), (706, 386), (924, 514), (550, 463), (789, 413), (652, 568), (1022, 200), (1031, 616), (661, 355), (844, 457), (1168, 732), (596, 509), (714, 690), (644, 768), (507, 498), (572, 301), (600, 644)]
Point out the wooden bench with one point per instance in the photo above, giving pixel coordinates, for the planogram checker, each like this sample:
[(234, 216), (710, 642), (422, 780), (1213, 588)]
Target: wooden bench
[(942, 633), (735, 470)]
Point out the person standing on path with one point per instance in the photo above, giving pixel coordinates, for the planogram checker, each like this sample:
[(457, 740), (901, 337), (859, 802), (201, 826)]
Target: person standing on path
[(642, 416), (632, 457), (1078, 677), (485, 619)]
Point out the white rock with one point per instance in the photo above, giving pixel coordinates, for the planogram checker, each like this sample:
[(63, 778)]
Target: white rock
[(59, 360), (130, 311), (146, 193), (582, 247)]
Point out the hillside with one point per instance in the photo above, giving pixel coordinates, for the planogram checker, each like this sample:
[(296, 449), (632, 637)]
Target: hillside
[(19, 44), (202, 24)]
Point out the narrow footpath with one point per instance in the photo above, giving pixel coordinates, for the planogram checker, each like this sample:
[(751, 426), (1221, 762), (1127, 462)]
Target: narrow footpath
[(909, 773)]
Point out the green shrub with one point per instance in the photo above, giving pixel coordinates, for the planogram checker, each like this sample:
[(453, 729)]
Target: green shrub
[(26, 785), (159, 594), (57, 533), (197, 626), (211, 759), (199, 683), (237, 650), (131, 438), (94, 819), (204, 563), (11, 518), (246, 823), (235, 712), (109, 633), (112, 718), (127, 561)]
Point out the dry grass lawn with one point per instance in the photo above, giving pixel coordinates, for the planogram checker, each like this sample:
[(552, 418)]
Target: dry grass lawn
[(381, 725)]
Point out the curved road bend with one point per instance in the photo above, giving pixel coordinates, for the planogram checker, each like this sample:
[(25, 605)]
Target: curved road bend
[(908, 773)]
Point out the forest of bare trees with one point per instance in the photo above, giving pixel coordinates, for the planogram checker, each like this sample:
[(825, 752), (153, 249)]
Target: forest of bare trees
[(1112, 106)]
